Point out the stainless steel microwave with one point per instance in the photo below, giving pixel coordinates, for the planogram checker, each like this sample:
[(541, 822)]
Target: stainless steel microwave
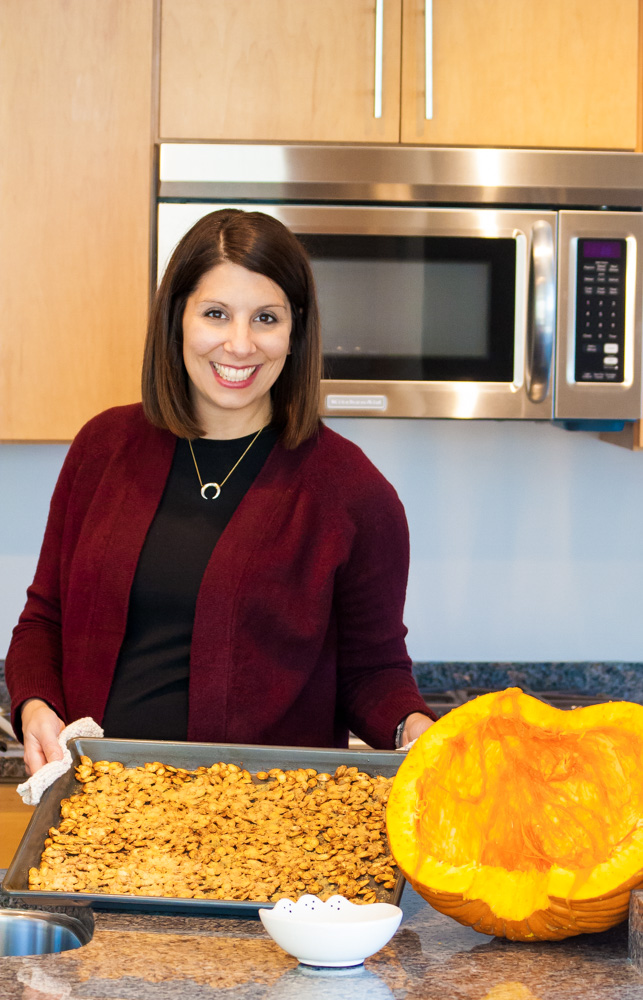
[(455, 283)]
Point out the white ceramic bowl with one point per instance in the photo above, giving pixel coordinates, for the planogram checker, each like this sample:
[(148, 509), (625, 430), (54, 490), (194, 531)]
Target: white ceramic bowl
[(333, 934)]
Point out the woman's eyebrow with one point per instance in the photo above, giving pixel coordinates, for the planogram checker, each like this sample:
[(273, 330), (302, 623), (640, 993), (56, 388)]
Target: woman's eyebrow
[(220, 302)]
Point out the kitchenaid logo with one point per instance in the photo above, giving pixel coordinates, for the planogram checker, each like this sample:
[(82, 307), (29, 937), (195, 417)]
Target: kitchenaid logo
[(356, 402)]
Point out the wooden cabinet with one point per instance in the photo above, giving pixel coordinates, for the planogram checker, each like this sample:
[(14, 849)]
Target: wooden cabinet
[(288, 70), (75, 176), (545, 73), (14, 819)]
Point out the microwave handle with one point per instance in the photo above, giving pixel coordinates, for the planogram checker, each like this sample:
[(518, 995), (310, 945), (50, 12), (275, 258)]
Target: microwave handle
[(541, 312)]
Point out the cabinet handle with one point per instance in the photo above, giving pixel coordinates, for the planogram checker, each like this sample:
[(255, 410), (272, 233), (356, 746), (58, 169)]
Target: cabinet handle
[(379, 56), (428, 59)]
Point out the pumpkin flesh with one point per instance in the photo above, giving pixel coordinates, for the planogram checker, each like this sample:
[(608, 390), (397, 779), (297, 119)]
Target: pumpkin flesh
[(522, 819)]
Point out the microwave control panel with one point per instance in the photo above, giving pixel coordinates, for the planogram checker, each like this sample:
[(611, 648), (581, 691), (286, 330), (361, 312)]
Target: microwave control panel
[(600, 310)]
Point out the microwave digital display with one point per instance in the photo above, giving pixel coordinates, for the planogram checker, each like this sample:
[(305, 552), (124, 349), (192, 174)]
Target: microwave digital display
[(418, 308), (602, 249)]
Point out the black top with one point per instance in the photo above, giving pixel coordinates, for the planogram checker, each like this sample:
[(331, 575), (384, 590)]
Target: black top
[(149, 693)]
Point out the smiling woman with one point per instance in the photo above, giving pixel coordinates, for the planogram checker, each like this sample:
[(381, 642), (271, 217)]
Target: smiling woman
[(236, 338), (218, 565)]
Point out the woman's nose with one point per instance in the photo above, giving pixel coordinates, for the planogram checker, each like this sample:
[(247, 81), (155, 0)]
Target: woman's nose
[(239, 340)]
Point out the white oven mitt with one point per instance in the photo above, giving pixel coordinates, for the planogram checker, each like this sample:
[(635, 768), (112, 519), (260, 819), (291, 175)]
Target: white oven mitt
[(406, 747), (31, 790)]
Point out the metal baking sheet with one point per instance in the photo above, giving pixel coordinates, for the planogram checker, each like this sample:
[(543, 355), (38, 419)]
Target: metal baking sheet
[(133, 753)]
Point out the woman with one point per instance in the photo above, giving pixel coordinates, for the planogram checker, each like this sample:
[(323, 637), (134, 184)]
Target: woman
[(218, 565)]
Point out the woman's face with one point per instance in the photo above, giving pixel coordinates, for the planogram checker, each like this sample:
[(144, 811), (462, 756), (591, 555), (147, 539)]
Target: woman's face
[(236, 337)]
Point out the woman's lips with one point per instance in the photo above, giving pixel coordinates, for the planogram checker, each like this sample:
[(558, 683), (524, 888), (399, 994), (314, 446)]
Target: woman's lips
[(230, 376)]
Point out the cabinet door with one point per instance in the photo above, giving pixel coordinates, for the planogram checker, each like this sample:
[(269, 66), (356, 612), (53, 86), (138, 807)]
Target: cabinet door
[(548, 73), (288, 70), (75, 174), (15, 819)]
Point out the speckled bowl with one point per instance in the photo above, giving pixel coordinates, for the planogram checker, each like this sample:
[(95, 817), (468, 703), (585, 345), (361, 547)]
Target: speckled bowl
[(331, 934)]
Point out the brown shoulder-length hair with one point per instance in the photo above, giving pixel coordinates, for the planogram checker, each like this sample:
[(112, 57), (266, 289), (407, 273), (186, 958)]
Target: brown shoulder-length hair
[(261, 244)]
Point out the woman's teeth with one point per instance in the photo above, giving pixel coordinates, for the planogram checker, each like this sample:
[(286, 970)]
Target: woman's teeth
[(233, 374)]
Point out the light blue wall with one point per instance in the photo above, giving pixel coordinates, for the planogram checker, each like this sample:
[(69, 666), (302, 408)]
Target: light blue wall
[(28, 474), (527, 541)]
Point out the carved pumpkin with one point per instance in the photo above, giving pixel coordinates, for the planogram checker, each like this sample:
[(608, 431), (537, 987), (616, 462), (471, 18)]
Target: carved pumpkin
[(523, 820)]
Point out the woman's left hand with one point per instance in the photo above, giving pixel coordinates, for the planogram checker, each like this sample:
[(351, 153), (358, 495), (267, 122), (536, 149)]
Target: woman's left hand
[(415, 725)]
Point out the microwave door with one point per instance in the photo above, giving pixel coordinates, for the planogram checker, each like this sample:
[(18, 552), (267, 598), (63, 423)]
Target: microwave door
[(438, 313), (425, 312)]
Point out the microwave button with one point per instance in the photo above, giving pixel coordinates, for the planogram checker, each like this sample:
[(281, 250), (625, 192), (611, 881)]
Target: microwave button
[(601, 290), (591, 348), (610, 360), (610, 348), (588, 290), (613, 291)]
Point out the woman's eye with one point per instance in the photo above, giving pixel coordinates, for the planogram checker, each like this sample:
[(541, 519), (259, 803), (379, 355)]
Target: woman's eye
[(215, 313), (266, 318)]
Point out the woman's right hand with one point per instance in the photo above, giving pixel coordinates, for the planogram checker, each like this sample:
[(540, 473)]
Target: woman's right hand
[(41, 728)]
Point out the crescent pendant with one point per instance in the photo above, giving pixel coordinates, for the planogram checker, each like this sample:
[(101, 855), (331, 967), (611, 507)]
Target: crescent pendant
[(215, 486)]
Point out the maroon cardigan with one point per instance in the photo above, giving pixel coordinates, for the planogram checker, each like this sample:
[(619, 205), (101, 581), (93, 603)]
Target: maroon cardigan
[(298, 631)]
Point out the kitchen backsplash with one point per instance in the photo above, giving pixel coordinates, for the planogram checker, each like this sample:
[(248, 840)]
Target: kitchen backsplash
[(617, 681), (526, 540)]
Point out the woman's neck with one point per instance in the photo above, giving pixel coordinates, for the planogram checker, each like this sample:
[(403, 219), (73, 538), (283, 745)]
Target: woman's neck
[(229, 424)]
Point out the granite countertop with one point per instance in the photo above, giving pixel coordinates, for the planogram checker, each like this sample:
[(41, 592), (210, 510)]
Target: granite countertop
[(152, 957)]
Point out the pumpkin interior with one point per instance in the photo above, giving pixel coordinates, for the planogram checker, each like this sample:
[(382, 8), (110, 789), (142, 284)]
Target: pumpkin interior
[(525, 798), (515, 804)]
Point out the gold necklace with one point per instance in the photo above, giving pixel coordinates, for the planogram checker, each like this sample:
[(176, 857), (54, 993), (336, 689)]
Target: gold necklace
[(217, 486)]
